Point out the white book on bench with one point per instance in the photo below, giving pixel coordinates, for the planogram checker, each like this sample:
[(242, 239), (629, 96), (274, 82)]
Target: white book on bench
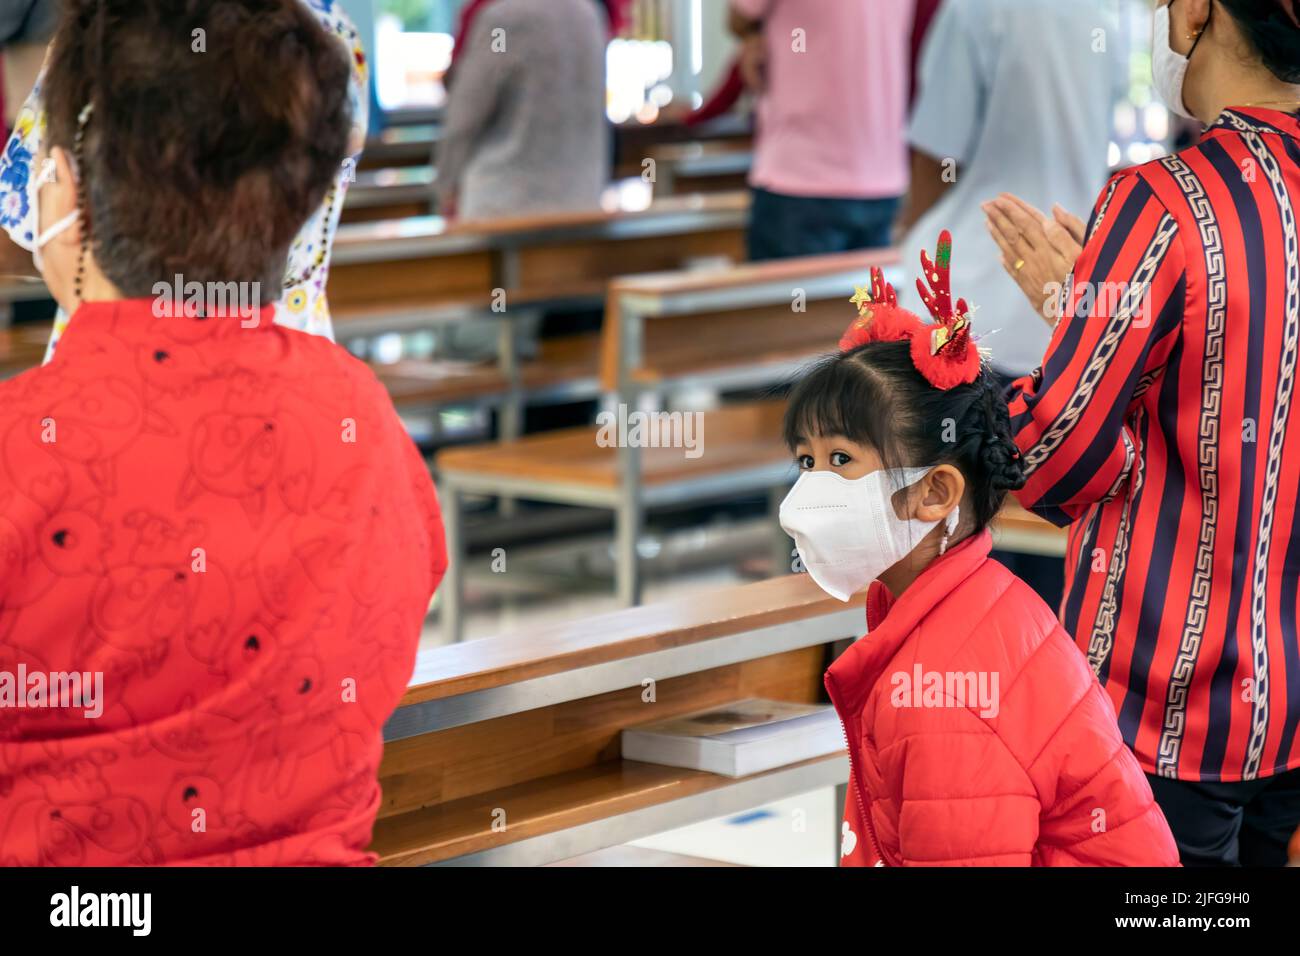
[(738, 739)]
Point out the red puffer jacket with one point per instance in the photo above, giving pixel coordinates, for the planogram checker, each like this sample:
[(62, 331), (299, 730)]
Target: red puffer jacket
[(979, 737)]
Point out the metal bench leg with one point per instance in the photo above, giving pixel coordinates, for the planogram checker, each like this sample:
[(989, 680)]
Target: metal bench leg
[(782, 545), (510, 414), (453, 583), (627, 529), (627, 571)]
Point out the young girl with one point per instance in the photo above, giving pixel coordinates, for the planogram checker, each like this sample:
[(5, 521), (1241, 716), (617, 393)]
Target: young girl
[(977, 734)]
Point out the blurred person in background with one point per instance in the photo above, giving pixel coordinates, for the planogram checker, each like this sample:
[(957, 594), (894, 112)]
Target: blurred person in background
[(1012, 94), (1158, 426), (525, 130), (218, 524), (922, 21), (830, 155), (732, 87)]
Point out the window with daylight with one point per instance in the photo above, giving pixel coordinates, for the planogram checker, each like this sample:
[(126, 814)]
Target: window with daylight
[(656, 60), (413, 43), (1143, 128)]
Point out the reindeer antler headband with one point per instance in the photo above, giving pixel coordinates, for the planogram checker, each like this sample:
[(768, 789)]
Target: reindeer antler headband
[(945, 353)]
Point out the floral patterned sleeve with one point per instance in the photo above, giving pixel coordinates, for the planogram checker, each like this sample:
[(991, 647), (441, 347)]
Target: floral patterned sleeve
[(303, 305)]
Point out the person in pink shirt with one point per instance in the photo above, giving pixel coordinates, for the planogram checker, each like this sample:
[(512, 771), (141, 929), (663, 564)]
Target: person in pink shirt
[(830, 160)]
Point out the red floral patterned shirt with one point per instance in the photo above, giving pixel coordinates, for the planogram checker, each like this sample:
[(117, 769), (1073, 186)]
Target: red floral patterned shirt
[(231, 530)]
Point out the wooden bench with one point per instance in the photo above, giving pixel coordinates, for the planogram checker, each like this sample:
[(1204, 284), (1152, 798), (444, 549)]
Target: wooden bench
[(505, 750), (421, 273), (22, 347), (19, 289), (565, 369), (415, 143), (410, 264), (400, 146), (731, 329), (394, 193), (635, 142), (700, 168), (1019, 530)]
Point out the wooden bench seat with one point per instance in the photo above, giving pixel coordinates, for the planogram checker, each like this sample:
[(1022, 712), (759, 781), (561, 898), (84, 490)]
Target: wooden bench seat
[(634, 141), (393, 193), (455, 670), (506, 749), (22, 347), (767, 343), (571, 362), (733, 437), (1016, 529), (544, 806), (562, 256), (701, 167), (400, 146), (19, 288)]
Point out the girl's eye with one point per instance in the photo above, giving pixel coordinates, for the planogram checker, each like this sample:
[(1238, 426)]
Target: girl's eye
[(805, 462), (839, 459)]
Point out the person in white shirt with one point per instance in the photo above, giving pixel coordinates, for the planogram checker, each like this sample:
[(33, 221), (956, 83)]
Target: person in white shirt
[(1014, 96)]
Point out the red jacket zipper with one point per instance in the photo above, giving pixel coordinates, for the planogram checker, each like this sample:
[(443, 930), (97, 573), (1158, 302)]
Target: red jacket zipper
[(853, 778)]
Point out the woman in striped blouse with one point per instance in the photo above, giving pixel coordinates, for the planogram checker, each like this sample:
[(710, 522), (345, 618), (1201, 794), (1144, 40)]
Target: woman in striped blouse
[(1164, 428)]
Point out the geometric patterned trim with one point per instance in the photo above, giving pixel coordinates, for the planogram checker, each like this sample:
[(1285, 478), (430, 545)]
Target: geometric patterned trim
[(1207, 456), (1277, 437), (1131, 301), (1102, 640)]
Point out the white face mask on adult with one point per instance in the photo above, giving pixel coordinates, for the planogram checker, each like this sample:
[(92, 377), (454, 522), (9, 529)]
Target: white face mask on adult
[(846, 530), (1168, 66), (47, 174)]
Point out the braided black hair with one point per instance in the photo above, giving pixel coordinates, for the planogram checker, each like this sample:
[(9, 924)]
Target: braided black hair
[(874, 396)]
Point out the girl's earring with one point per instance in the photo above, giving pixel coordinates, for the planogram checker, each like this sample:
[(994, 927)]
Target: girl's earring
[(949, 529)]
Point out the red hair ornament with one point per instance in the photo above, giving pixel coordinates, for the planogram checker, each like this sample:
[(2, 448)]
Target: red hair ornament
[(945, 352)]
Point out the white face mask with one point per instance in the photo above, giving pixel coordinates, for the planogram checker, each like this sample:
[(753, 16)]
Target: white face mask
[(846, 530), (1168, 66), (48, 174)]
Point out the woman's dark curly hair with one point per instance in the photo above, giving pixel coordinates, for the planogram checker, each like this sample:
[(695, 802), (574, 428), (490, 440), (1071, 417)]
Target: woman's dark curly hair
[(874, 396), (217, 128)]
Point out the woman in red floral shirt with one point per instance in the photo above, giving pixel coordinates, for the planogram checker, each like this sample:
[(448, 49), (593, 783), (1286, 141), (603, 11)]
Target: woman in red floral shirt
[(217, 542)]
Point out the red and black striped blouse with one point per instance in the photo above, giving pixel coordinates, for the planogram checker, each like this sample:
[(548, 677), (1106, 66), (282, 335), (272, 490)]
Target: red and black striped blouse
[(1164, 427)]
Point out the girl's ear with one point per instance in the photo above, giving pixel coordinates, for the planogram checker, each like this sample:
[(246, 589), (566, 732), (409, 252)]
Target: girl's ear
[(941, 491)]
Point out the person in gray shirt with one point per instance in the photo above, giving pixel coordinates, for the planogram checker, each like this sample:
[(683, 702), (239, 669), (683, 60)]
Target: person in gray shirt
[(525, 129)]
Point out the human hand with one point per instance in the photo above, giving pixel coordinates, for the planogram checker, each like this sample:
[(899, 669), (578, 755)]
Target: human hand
[(1038, 251), (753, 63)]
